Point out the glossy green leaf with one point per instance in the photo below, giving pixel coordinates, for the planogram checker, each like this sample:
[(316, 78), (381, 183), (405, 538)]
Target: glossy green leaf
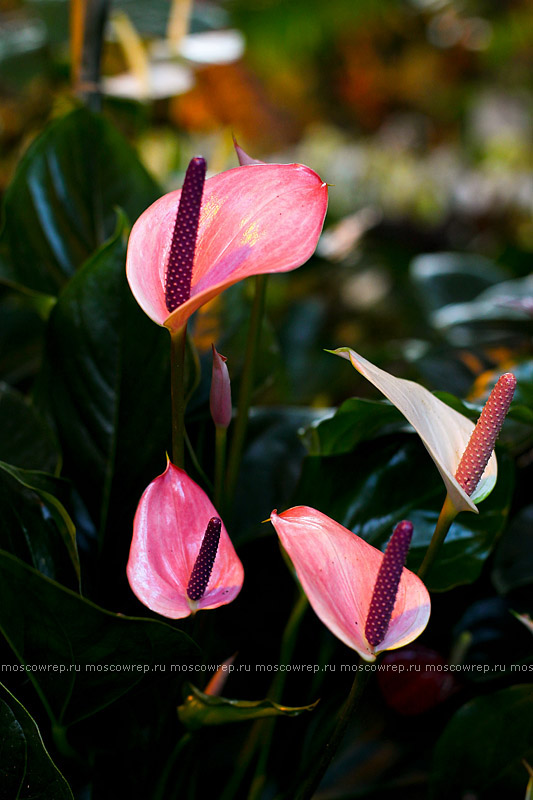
[(273, 451), (80, 657), (392, 478), (354, 421), (35, 525), (199, 709), (61, 204), (106, 384), (26, 440), (486, 741), (26, 770)]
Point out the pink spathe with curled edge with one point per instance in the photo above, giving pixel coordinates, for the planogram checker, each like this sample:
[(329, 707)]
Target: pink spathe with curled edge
[(254, 219), (338, 572), (168, 530)]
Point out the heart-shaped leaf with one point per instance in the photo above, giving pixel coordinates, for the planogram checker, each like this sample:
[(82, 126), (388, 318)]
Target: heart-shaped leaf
[(61, 204), (26, 440), (106, 383)]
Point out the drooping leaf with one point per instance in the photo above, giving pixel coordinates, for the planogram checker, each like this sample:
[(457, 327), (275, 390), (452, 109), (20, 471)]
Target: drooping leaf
[(199, 709), (486, 741), (26, 770), (80, 657), (61, 204), (35, 524)]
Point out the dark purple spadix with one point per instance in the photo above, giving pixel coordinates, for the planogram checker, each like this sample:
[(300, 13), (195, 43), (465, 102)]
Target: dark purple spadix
[(387, 582), (183, 245), (201, 572)]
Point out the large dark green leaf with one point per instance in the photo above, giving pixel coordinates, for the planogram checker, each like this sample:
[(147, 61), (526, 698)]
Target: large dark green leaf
[(486, 741), (26, 440), (107, 385), (270, 466), (355, 421), (35, 525), (26, 770), (61, 205), (393, 478), (80, 657)]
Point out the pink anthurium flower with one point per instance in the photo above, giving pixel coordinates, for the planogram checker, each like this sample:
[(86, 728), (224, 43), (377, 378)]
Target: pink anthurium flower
[(462, 452), (181, 557), (250, 220), (367, 599)]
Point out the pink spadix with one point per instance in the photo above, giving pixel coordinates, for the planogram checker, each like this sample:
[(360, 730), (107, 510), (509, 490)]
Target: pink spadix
[(479, 449), (178, 274), (201, 572), (387, 583)]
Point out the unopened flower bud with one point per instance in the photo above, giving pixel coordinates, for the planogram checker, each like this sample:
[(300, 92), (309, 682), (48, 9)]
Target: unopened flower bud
[(220, 396)]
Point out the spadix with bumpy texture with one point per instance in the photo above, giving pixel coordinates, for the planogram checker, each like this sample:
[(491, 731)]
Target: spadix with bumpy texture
[(479, 449), (178, 274), (444, 431), (166, 557), (338, 572), (387, 582), (201, 572), (253, 219)]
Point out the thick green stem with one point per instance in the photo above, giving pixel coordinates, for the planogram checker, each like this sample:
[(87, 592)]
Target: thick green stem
[(178, 341), (288, 644), (245, 393), (446, 517), (319, 770), (220, 466)]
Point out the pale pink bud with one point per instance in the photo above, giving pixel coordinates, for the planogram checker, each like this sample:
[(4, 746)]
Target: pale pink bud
[(479, 449), (220, 396)]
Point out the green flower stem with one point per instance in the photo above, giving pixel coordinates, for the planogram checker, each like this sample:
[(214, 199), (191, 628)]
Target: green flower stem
[(245, 393), (446, 517), (261, 731), (196, 463), (178, 341), (288, 644), (220, 465), (319, 770), (161, 788)]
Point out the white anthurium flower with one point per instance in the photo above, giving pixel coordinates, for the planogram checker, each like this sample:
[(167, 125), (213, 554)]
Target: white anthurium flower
[(444, 431)]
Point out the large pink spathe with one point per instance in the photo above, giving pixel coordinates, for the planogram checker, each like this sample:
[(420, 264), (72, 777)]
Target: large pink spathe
[(338, 571), (168, 529), (254, 219)]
